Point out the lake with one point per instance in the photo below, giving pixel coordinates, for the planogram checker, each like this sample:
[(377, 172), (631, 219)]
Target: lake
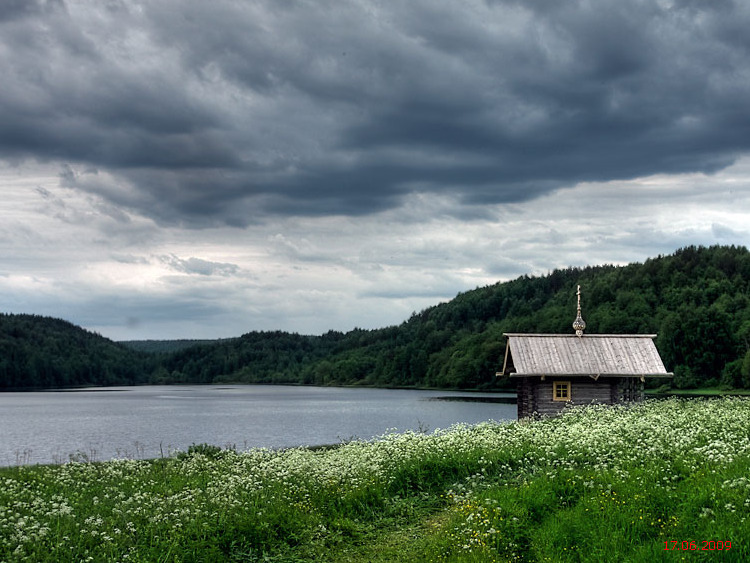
[(145, 422)]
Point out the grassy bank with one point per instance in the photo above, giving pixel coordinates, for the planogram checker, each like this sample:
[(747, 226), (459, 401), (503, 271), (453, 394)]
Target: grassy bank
[(596, 484)]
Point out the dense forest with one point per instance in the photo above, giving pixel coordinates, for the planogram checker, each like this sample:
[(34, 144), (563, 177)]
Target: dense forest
[(42, 352), (697, 301)]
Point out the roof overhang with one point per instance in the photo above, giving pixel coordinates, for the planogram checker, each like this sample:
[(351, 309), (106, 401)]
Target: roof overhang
[(593, 376), (585, 336)]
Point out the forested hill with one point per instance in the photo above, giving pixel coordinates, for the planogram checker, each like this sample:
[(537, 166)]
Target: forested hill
[(697, 300), (165, 346), (42, 352)]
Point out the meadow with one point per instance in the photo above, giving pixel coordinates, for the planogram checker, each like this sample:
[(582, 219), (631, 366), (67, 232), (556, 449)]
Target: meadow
[(657, 481)]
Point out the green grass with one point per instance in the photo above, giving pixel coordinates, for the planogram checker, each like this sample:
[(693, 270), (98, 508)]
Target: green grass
[(595, 484)]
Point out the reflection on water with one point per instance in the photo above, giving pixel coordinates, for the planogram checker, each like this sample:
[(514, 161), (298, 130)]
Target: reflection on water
[(510, 400), (142, 422)]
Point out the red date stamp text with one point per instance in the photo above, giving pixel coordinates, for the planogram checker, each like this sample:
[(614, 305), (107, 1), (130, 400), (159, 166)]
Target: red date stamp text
[(700, 545)]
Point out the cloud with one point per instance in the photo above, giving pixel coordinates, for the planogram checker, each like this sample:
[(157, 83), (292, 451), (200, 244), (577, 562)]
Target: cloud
[(192, 169), (313, 274), (199, 266), (228, 113), (724, 233), (15, 9)]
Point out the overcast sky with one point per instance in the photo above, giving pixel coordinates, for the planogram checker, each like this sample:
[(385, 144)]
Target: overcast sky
[(193, 169)]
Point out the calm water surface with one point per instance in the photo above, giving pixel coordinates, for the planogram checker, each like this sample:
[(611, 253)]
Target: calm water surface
[(143, 422)]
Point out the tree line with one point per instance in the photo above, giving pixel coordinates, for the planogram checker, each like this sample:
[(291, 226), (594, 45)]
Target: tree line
[(43, 352), (696, 300)]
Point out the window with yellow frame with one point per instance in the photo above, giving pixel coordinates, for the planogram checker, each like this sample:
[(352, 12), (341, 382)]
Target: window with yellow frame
[(561, 391)]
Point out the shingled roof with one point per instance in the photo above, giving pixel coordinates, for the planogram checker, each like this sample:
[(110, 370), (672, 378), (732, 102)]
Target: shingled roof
[(593, 355)]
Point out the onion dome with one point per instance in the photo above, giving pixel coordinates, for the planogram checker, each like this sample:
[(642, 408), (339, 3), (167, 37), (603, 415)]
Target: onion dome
[(579, 324)]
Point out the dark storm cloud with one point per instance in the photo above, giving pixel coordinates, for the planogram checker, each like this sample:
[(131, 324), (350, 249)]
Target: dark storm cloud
[(222, 112), (13, 9)]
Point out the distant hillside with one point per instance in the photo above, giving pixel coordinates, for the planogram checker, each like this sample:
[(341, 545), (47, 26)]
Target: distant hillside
[(42, 352), (164, 346), (697, 300)]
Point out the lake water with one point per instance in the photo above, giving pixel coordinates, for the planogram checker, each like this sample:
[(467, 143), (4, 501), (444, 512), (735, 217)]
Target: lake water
[(151, 421)]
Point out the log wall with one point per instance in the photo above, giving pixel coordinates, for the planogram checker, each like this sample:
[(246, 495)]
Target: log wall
[(525, 397), (535, 396)]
